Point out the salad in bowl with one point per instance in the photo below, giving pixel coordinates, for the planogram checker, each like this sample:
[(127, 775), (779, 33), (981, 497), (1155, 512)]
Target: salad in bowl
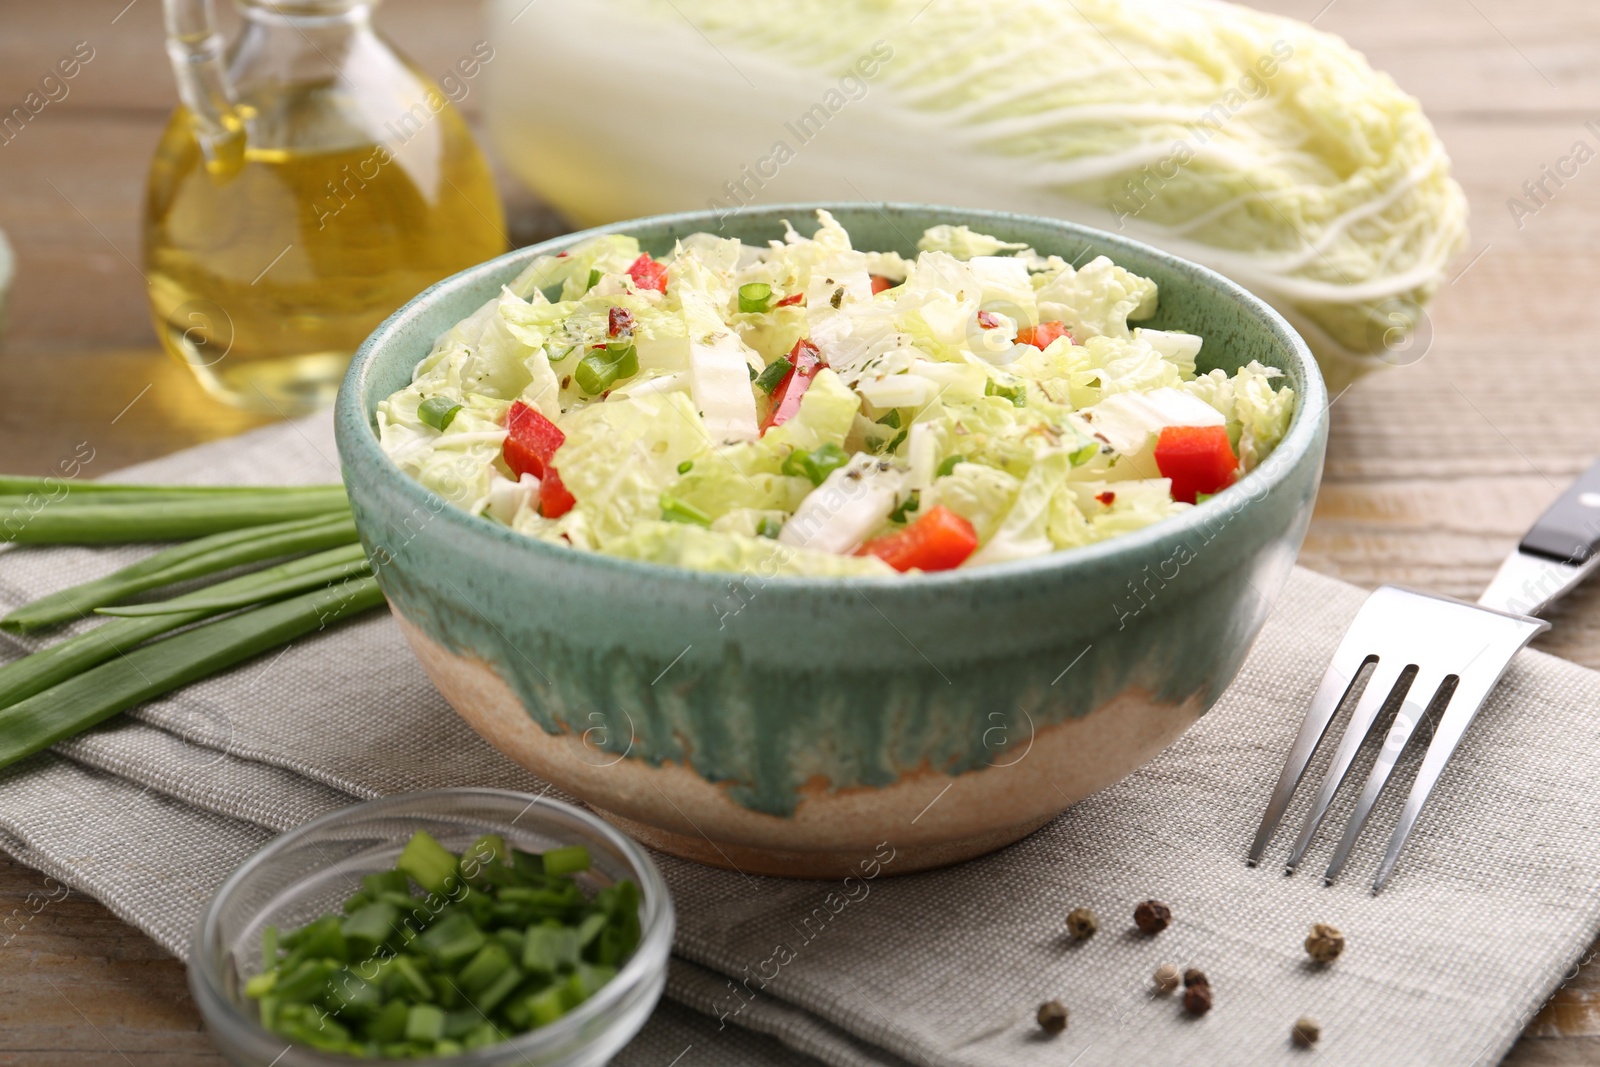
[(807, 408)]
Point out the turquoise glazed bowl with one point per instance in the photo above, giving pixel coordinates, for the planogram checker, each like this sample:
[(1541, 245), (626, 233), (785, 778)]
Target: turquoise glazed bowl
[(809, 727)]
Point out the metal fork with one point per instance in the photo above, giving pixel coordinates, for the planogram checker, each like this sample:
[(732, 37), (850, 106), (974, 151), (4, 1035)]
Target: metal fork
[(1434, 657)]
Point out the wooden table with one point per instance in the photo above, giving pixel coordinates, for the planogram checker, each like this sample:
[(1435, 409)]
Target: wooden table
[(1432, 473)]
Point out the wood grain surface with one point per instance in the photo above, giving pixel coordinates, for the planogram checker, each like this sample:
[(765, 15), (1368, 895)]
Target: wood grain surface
[(1433, 470)]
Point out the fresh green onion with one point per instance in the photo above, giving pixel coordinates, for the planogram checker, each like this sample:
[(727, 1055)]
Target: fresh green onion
[(54, 665), (21, 485), (895, 442), (518, 948), (164, 519), (817, 464), (751, 370), (769, 528), (594, 279), (568, 860), (438, 412), (949, 465), (206, 555), (211, 602), (686, 466), (675, 510), (773, 376), (145, 673), (891, 420), (911, 503), (1017, 394), (755, 297), (602, 367)]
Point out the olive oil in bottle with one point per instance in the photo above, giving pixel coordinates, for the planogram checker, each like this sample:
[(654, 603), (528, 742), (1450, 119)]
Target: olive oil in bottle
[(278, 235)]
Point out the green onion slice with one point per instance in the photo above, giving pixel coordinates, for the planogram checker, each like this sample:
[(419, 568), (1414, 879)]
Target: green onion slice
[(438, 412), (755, 297)]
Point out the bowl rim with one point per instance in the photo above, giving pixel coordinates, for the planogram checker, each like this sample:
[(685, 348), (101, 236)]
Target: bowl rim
[(354, 428), (657, 926)]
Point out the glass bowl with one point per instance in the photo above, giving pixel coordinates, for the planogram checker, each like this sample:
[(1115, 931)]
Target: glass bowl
[(309, 871)]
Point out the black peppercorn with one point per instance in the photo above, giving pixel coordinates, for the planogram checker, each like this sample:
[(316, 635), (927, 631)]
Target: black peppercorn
[(1306, 1032), (1152, 916), (1195, 976), (1052, 1016), (1197, 999)]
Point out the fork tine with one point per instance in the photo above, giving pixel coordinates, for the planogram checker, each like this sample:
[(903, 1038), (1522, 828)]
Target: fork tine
[(1335, 686), (1419, 699), (1386, 676), (1480, 676)]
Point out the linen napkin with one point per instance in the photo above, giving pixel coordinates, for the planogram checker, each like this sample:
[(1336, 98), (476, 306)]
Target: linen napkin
[(1494, 899)]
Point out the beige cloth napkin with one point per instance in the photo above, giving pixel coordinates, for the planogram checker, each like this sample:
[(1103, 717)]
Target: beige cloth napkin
[(1494, 899)]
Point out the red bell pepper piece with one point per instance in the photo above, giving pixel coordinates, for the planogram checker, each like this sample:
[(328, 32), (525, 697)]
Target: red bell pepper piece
[(939, 540), (618, 321), (1198, 459), (880, 283), (531, 441), (791, 300), (648, 274), (786, 397), (555, 500), (1041, 335)]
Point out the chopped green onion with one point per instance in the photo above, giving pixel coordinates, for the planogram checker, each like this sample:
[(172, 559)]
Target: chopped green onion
[(438, 412), (817, 464), (773, 376), (427, 863), (895, 442), (518, 949), (144, 673), (755, 297), (769, 528), (752, 371), (1017, 394), (891, 420), (203, 556), (594, 279), (686, 466), (911, 503), (568, 860), (601, 368), (1201, 498), (675, 510), (949, 465)]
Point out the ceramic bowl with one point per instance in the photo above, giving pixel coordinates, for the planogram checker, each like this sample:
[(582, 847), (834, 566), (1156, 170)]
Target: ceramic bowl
[(800, 726)]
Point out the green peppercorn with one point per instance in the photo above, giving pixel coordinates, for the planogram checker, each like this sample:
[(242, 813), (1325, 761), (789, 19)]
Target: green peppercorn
[(1324, 943), (1082, 923)]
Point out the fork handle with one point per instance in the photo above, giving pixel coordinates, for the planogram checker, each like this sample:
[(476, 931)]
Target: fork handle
[(1569, 532)]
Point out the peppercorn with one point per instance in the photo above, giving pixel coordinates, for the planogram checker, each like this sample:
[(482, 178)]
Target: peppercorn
[(1152, 916), (1166, 978), (1082, 923), (1197, 999), (1325, 943), (1305, 1032), (1195, 976), (1052, 1016)]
